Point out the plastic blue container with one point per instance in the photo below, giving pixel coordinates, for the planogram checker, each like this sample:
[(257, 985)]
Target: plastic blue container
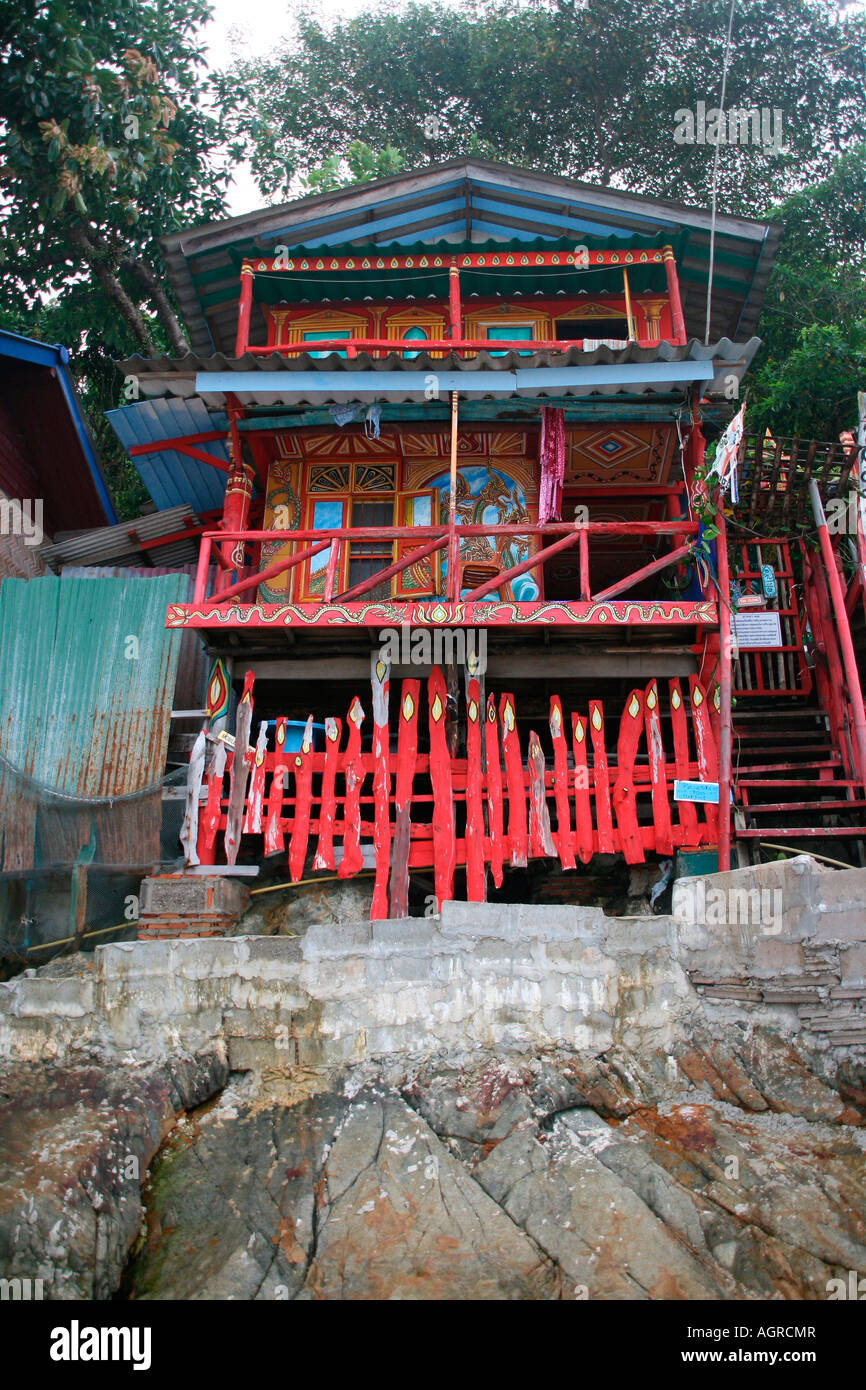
[(295, 733)]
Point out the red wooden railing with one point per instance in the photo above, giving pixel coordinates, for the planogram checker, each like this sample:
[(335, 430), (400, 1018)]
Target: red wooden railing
[(556, 536), (500, 804)]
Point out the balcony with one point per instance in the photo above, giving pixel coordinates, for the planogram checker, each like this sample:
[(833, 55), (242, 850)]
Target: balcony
[(463, 592)]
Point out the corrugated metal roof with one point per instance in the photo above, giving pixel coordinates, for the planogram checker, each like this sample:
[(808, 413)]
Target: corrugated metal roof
[(471, 200), (87, 675), (50, 453), (177, 377), (114, 543), (172, 478)]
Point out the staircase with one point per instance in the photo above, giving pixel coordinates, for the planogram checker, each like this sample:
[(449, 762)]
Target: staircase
[(790, 778)]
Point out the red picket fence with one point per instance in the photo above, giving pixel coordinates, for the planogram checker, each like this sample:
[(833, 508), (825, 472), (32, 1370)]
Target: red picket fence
[(498, 805)]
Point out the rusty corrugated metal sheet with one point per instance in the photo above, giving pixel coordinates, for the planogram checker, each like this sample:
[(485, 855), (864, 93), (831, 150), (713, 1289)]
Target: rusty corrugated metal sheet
[(87, 678)]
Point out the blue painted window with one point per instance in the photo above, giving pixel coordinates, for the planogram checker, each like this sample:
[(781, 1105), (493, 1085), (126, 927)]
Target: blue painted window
[(325, 337), (511, 332), (415, 334)]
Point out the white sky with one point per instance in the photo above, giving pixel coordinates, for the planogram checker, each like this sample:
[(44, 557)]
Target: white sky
[(251, 28)]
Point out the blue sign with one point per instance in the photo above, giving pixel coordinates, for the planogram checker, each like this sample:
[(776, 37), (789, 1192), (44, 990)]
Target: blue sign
[(706, 792)]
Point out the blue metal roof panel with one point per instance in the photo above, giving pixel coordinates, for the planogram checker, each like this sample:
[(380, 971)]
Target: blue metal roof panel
[(172, 478)]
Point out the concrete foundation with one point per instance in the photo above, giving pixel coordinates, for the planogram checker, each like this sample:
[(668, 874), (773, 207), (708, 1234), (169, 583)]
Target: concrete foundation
[(482, 975)]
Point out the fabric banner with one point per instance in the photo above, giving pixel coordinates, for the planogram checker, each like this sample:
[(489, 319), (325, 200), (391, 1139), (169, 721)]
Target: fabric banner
[(552, 458)]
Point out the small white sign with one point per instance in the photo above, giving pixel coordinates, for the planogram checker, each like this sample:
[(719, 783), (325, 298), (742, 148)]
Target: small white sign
[(753, 630)]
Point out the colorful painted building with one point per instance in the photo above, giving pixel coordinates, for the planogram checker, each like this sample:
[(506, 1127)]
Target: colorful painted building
[(445, 437)]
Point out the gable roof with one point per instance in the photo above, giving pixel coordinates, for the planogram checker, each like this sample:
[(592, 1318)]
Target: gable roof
[(52, 453), (473, 200)]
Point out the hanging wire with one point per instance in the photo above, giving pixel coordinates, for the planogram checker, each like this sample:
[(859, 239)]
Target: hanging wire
[(716, 169)]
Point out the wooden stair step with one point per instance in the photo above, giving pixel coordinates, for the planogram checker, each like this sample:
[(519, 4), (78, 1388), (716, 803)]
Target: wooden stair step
[(819, 807), (773, 767), (795, 782), (800, 833)]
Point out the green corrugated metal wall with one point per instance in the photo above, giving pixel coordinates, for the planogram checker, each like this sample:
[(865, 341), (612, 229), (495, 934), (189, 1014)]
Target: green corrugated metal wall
[(87, 677)]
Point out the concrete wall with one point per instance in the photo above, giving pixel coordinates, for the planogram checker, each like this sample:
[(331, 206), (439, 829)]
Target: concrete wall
[(483, 975)]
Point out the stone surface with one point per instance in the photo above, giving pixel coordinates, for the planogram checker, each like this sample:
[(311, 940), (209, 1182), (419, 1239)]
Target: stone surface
[(518, 1177), (75, 1143)]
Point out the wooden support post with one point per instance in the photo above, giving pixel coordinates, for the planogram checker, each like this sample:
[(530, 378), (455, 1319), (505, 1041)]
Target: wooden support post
[(515, 785), (658, 771), (494, 792), (601, 779), (380, 673), (629, 318), (303, 767), (454, 308), (564, 838), (209, 822), (583, 842), (324, 856), (843, 628), (677, 320), (355, 772), (583, 550), (407, 754), (725, 722), (453, 542), (253, 817), (630, 730), (444, 847), (274, 840), (475, 875), (245, 305), (239, 770), (688, 816), (540, 839), (705, 744)]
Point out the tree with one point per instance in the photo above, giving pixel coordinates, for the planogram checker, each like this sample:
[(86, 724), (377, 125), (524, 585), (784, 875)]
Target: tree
[(105, 146), (590, 90), (359, 164), (813, 324)]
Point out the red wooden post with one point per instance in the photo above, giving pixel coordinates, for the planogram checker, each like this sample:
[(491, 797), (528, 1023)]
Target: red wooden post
[(601, 779), (244, 310), (658, 771), (454, 310), (380, 681), (705, 743), (324, 856), (407, 752), (515, 784), (475, 878), (843, 628), (540, 839), (630, 730), (564, 838), (209, 821), (331, 571), (444, 847), (688, 816), (239, 770), (273, 825), (725, 724), (355, 772), (200, 586), (583, 556), (236, 509), (253, 817), (303, 765), (494, 792), (677, 319), (583, 841)]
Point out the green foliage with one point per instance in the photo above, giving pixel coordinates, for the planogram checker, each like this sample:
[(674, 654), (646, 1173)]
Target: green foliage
[(588, 89), (813, 359), (104, 146), (359, 164)]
